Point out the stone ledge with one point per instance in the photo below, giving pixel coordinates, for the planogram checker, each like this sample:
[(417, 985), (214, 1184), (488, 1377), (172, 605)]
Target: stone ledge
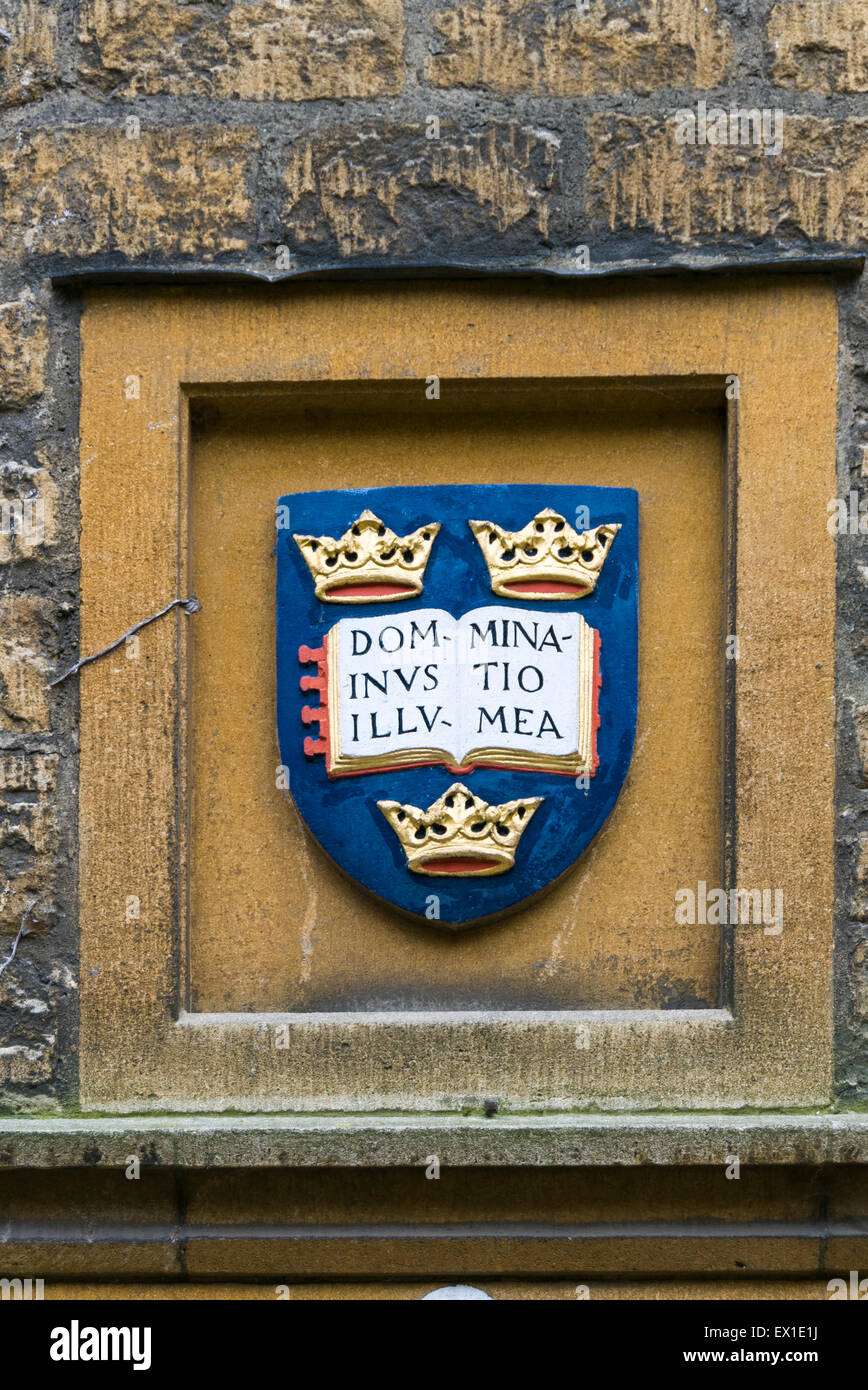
[(81, 272), (375, 1141)]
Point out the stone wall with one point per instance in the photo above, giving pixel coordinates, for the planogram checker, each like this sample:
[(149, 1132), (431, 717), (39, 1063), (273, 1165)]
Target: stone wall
[(283, 135)]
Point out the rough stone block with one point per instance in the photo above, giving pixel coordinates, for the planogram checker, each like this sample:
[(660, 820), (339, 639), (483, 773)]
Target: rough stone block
[(172, 191), (28, 883), (27, 772), (860, 720), (27, 825), (820, 45), (28, 850), (394, 192), (511, 46), (279, 50), (29, 1003), (24, 665), (28, 45), (28, 510), (817, 187), (859, 903), (28, 842), (23, 346)]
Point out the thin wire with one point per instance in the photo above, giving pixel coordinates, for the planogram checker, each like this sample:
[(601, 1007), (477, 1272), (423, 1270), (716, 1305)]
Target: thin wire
[(190, 605), (9, 959)]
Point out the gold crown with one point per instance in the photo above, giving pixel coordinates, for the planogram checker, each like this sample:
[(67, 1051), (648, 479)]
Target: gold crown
[(369, 564), (547, 560), (460, 834)]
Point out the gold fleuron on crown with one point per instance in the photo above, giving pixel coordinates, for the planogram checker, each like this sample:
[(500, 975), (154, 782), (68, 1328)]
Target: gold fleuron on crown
[(547, 560), (460, 835), (370, 563)]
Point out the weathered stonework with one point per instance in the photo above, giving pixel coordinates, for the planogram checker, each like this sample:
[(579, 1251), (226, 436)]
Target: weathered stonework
[(860, 720), (30, 824), (859, 977), (510, 46), (31, 982), (163, 192), (28, 838), (392, 192), (29, 1002), (23, 348), (28, 64), (28, 510), (271, 51), (24, 664), (859, 904), (820, 45), (27, 772), (816, 188)]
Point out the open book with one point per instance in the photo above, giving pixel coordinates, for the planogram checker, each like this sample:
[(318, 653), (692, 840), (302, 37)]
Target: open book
[(498, 687)]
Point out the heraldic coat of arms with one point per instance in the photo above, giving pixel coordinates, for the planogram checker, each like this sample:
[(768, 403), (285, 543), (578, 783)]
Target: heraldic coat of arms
[(456, 684)]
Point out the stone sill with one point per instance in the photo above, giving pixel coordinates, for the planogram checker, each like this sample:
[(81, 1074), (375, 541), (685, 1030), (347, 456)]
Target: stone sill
[(81, 272), (386, 1141)]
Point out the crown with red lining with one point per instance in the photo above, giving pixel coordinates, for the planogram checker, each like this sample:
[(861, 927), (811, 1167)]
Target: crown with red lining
[(547, 560), (369, 563)]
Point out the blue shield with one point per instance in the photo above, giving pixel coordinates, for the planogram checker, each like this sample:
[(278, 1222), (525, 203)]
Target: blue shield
[(456, 684)]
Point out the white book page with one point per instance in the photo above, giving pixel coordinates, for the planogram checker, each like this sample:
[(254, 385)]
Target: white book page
[(397, 683), (519, 680)]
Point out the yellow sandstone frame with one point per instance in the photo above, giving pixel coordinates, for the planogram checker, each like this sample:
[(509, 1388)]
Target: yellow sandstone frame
[(146, 353)]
